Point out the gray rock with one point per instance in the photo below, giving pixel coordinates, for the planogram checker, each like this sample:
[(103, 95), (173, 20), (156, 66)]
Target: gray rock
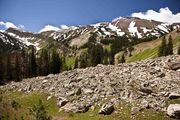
[(173, 110), (134, 110), (172, 65), (144, 104), (106, 108), (62, 101), (76, 107), (174, 95)]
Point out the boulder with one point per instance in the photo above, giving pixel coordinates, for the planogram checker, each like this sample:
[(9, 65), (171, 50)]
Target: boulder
[(172, 65), (173, 110), (144, 104), (134, 110), (76, 107), (174, 96), (106, 109), (78, 91), (62, 101), (146, 90)]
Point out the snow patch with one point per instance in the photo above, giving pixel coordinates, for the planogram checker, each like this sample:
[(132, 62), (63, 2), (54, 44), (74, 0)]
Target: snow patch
[(116, 29), (132, 29), (145, 30), (163, 27)]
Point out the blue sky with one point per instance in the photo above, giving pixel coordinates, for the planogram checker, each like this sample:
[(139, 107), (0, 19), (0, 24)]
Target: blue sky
[(35, 14)]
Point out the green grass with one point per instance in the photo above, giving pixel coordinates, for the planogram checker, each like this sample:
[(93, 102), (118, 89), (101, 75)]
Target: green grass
[(149, 53), (152, 53), (26, 101), (70, 61)]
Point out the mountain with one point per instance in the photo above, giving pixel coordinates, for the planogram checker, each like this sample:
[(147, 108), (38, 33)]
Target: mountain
[(79, 35), (126, 39), (9, 43)]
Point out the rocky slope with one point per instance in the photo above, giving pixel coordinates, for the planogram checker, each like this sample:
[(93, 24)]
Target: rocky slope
[(145, 84), (8, 43)]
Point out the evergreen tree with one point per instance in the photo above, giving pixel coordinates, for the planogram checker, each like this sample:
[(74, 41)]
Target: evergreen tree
[(83, 60), (96, 54), (55, 63), (8, 68), (1, 69), (33, 65), (178, 51), (169, 46), (24, 64), (122, 59), (162, 48), (44, 62), (76, 63), (106, 55), (17, 70)]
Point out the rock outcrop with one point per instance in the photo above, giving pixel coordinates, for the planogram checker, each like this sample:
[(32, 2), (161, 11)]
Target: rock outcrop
[(174, 110)]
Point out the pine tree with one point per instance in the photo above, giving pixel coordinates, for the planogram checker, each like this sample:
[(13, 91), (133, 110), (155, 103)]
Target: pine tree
[(162, 48), (83, 60), (76, 63), (24, 64), (178, 51), (96, 54), (122, 60), (55, 63), (33, 65), (169, 47), (17, 70), (8, 68), (1, 69), (44, 62)]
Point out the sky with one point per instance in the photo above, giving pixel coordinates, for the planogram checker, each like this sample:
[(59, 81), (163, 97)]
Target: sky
[(35, 15)]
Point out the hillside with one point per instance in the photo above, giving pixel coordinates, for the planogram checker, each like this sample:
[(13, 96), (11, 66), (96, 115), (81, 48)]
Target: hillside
[(140, 90), (149, 49)]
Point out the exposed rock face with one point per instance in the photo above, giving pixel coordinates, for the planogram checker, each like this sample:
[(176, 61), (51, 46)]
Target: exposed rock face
[(148, 83), (174, 110)]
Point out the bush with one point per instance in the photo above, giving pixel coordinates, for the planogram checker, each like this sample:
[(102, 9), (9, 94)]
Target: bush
[(15, 104), (39, 112)]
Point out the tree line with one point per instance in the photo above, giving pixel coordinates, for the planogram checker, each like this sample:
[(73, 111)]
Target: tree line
[(166, 47), (26, 64)]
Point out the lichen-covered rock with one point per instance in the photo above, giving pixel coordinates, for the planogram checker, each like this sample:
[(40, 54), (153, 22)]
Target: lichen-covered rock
[(173, 110)]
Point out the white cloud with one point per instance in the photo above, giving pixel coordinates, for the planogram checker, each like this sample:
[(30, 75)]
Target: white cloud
[(64, 27), (164, 15), (7, 25), (49, 28), (118, 18)]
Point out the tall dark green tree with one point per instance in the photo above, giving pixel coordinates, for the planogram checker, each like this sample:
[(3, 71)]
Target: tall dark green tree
[(96, 54), (76, 62), (122, 59), (83, 60), (33, 65), (9, 68), (24, 64), (55, 63), (169, 46), (162, 48), (1, 68), (17, 73), (44, 62)]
